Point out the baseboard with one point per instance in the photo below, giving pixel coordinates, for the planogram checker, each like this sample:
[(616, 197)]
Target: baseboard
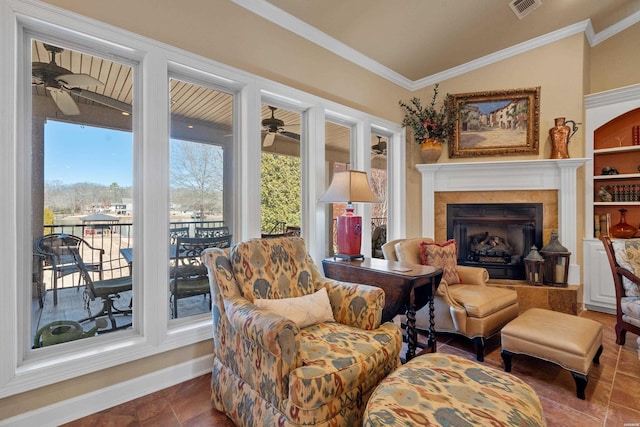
[(90, 403), (601, 309)]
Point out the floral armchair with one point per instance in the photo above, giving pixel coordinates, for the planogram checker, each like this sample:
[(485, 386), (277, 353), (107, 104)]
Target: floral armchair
[(271, 370)]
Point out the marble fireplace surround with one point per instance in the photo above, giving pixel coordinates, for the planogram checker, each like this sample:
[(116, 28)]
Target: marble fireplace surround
[(521, 175)]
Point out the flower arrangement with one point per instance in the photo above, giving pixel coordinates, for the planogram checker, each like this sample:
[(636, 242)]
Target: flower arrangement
[(429, 122)]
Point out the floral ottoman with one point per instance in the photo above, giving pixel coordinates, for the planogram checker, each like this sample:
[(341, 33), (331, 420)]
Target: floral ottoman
[(447, 390)]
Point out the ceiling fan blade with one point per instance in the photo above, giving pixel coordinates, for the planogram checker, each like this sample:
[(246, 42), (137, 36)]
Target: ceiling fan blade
[(291, 135), (64, 101), (78, 80), (269, 138), (102, 99)]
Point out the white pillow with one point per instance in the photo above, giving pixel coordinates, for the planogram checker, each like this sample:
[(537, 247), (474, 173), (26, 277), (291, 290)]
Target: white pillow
[(304, 311)]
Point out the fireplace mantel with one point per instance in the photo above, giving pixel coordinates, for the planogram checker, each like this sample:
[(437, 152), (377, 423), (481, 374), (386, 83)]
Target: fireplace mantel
[(555, 174)]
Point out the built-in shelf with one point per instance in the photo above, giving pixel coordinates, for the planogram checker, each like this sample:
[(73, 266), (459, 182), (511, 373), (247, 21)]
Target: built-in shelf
[(616, 203), (608, 130), (617, 149), (618, 176)]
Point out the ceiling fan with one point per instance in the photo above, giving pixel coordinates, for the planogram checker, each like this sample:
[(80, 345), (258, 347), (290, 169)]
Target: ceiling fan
[(61, 83), (380, 148), (274, 126)]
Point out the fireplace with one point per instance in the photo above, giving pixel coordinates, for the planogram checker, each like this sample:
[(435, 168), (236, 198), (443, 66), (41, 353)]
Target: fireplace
[(496, 236), (517, 175)]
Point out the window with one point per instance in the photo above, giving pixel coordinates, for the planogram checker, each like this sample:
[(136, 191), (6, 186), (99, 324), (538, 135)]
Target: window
[(338, 158), (82, 195), (199, 202), (378, 181), (122, 193), (280, 192)]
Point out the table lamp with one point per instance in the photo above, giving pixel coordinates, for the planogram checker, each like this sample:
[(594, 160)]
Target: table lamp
[(349, 186)]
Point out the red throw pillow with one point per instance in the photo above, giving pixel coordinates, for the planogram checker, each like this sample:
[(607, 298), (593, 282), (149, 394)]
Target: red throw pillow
[(443, 255)]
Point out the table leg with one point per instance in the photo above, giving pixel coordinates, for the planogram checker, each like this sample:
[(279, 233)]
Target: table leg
[(432, 326), (412, 334)]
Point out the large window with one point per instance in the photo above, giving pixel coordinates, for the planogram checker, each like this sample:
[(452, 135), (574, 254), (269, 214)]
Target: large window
[(280, 190), (110, 143), (378, 181), (82, 196), (338, 157), (200, 195)]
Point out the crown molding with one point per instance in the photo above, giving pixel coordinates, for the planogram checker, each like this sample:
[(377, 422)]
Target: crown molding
[(613, 96), (616, 28), (289, 22), (502, 54)]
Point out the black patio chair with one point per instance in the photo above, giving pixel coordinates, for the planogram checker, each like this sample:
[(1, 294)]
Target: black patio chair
[(56, 251), (188, 274), (176, 232), (202, 232), (108, 290)]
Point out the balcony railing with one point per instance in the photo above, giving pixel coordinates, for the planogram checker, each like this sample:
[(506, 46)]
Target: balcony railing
[(111, 237)]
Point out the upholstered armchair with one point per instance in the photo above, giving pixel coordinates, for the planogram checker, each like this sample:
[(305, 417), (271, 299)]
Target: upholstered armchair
[(466, 305), (293, 348), (624, 260)]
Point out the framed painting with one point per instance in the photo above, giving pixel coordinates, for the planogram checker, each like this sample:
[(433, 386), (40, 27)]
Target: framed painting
[(496, 123)]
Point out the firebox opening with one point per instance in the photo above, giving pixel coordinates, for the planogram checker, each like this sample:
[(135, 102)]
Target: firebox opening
[(496, 236)]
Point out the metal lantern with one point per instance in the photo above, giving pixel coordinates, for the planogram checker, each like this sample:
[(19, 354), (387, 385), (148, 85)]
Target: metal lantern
[(556, 262), (534, 267)]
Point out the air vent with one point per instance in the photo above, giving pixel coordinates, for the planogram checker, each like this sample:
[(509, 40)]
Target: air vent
[(523, 7)]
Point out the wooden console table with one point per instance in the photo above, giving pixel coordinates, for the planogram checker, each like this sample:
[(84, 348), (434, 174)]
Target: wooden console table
[(407, 288)]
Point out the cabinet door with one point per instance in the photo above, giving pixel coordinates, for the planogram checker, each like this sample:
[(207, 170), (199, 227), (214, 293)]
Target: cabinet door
[(599, 291)]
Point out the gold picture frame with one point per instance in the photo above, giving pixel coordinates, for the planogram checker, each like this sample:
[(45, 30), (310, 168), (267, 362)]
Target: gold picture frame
[(496, 123)]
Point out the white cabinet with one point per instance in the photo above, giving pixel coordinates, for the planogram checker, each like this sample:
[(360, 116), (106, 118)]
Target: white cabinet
[(599, 292)]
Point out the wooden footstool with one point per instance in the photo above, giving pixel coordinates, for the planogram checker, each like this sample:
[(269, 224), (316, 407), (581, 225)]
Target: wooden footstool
[(566, 340), (447, 390)]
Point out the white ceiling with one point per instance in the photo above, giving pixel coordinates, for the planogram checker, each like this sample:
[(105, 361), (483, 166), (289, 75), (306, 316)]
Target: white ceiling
[(420, 42)]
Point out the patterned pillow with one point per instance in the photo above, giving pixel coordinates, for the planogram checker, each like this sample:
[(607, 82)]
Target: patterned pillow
[(443, 255), (627, 253)]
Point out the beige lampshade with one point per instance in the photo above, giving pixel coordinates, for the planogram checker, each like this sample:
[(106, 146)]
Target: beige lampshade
[(349, 186)]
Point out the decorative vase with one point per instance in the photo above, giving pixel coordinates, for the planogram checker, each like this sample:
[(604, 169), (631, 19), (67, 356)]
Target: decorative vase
[(560, 135), (430, 150), (622, 230)]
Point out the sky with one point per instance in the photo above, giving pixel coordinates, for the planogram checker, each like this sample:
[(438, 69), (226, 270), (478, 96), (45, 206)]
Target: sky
[(79, 153), (488, 107)]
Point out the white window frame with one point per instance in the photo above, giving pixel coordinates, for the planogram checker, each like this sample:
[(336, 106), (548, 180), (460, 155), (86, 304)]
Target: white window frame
[(21, 369)]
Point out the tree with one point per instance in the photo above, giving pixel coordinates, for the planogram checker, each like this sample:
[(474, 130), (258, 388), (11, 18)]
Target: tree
[(196, 175), (48, 219), (116, 193), (82, 197), (280, 191), (378, 183)]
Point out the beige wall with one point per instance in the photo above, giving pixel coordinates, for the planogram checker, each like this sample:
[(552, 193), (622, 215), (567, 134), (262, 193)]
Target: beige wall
[(614, 62), (557, 68), (220, 30), (32, 400)]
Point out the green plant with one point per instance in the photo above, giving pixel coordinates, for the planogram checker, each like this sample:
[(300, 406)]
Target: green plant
[(429, 122)]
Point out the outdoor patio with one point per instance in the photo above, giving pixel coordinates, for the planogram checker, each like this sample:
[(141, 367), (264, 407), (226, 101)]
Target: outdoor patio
[(71, 306), (115, 241)]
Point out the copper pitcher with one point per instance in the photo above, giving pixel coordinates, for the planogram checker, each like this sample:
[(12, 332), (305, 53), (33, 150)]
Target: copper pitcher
[(560, 136)]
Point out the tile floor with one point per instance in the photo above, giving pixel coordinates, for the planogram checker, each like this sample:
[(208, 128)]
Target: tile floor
[(612, 395)]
